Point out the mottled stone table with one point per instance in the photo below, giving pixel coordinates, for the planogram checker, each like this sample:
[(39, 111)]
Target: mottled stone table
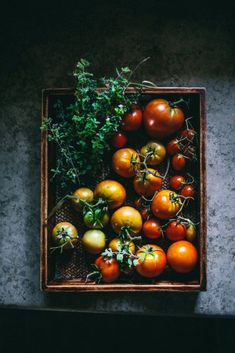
[(187, 49)]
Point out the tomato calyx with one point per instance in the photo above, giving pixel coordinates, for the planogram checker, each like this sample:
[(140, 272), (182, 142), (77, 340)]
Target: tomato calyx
[(125, 234), (64, 236), (94, 213), (145, 251)]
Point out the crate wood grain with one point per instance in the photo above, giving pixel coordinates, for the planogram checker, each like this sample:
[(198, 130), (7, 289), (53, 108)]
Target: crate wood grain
[(48, 280)]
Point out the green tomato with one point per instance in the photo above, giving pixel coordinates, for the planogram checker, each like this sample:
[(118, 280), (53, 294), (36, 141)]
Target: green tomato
[(96, 219), (65, 235), (93, 241)]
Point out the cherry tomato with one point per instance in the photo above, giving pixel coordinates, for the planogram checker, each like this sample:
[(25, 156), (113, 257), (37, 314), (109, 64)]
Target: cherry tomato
[(177, 182), (178, 161), (127, 218), (109, 269), (111, 191), (173, 147), (155, 151), (152, 261), (119, 140), (175, 231), (94, 241), (65, 235), (162, 118), (147, 182), (189, 134), (182, 256), (187, 191), (191, 232), (118, 244), (166, 204), (132, 120), (82, 194), (145, 213), (125, 162), (152, 229)]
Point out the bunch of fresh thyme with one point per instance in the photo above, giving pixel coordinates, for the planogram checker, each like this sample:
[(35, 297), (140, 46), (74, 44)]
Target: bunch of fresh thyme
[(83, 129)]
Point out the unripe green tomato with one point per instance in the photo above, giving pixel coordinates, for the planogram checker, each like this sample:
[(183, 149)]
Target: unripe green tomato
[(93, 241), (191, 232), (91, 223), (64, 234)]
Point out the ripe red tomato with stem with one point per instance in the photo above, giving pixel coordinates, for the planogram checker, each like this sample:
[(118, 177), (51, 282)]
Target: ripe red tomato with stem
[(119, 140), (176, 231), (178, 161), (189, 134), (177, 182), (147, 182), (151, 261), (166, 204), (108, 269), (152, 229), (173, 147), (125, 162), (187, 191), (132, 120)]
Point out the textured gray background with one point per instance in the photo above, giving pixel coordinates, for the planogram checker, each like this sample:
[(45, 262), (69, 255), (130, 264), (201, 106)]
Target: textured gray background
[(39, 49)]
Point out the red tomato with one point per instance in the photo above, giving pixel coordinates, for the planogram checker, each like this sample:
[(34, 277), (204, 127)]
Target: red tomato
[(145, 213), (177, 182), (152, 260), (182, 256), (178, 161), (175, 231), (125, 162), (187, 191), (147, 182), (162, 118), (166, 204), (173, 147), (132, 120), (152, 229), (109, 268), (189, 134), (119, 140)]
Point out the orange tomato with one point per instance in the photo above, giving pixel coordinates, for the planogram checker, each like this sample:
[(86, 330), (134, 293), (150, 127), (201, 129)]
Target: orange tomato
[(152, 260), (175, 231), (109, 269), (155, 151), (111, 191), (126, 218), (166, 204), (116, 244), (152, 229), (125, 162), (82, 194), (147, 182), (182, 256)]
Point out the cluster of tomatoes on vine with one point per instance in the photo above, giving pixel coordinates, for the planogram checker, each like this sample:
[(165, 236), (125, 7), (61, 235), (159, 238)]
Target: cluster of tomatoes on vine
[(154, 206)]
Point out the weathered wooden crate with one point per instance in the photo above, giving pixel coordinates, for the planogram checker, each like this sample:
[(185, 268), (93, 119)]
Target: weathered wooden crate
[(67, 272)]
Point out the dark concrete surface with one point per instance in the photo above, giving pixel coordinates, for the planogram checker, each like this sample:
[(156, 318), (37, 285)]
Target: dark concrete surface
[(188, 46)]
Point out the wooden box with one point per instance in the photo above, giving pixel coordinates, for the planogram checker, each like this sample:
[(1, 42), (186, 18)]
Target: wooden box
[(67, 272)]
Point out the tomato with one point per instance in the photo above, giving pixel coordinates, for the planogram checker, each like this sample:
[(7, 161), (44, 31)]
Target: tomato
[(166, 204), (147, 182), (132, 120), (152, 229), (118, 244), (93, 241), (111, 191), (178, 161), (125, 162), (126, 219), (177, 182), (65, 235), (119, 140), (155, 151), (138, 203), (109, 268), (162, 118), (182, 256), (82, 194), (189, 134), (96, 219), (152, 260), (191, 232), (175, 231), (187, 191), (145, 213), (173, 147)]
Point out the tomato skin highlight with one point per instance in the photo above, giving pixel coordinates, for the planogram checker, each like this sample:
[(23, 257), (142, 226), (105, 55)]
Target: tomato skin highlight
[(152, 229), (119, 140), (175, 231), (147, 182), (182, 256), (132, 120), (178, 162), (111, 191), (126, 216), (152, 261), (166, 204), (125, 161), (177, 182), (187, 191), (109, 268), (161, 119), (158, 151)]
